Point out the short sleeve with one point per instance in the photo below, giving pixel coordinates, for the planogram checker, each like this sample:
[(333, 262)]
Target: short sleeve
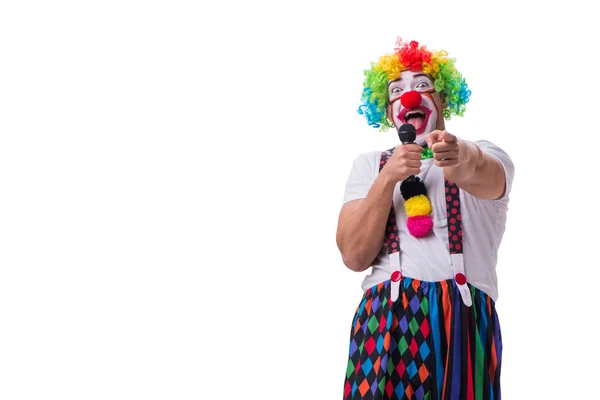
[(502, 156), (361, 178)]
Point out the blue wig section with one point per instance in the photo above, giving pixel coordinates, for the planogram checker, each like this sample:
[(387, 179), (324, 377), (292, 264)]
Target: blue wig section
[(464, 93), (461, 99), (369, 109)]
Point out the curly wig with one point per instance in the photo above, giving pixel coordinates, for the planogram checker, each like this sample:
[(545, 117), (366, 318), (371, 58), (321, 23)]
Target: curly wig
[(410, 56)]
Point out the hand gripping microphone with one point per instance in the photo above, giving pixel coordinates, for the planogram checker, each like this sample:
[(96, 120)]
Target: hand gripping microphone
[(407, 134)]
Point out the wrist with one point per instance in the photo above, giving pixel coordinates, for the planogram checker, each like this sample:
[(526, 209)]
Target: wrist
[(468, 152), (469, 155), (387, 181)]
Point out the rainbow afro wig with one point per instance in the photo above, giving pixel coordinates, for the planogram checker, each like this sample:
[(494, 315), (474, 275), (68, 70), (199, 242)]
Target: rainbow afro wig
[(410, 56)]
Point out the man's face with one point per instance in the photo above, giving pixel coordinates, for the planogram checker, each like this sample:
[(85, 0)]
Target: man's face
[(413, 100)]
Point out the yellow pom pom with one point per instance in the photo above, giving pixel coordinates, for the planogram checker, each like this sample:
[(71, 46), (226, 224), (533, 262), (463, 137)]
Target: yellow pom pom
[(417, 205)]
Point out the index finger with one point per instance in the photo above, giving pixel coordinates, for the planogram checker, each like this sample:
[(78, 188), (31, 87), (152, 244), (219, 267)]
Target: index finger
[(448, 137), (432, 137)]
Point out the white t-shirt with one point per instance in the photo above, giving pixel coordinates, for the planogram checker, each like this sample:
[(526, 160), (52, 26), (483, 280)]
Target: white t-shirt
[(428, 258)]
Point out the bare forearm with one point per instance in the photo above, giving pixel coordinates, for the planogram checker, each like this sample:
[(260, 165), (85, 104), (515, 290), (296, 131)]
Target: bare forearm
[(477, 172), (360, 236)]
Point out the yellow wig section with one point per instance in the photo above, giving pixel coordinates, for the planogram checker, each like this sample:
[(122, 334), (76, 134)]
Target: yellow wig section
[(390, 65)]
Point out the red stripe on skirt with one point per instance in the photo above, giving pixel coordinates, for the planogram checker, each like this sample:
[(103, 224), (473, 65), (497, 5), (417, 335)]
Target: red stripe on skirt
[(447, 316)]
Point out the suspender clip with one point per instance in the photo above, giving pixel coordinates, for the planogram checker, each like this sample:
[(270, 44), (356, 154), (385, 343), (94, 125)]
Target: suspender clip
[(395, 285)]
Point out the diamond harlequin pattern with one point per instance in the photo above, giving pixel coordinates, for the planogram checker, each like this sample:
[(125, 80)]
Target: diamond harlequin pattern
[(442, 350), (394, 354)]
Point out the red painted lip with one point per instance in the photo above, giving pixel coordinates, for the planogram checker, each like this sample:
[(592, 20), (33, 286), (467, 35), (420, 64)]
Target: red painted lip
[(427, 112)]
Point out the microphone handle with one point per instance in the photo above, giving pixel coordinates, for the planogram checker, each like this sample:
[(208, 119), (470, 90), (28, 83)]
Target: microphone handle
[(412, 177)]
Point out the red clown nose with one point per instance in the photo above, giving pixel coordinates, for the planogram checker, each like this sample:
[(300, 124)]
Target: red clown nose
[(411, 99)]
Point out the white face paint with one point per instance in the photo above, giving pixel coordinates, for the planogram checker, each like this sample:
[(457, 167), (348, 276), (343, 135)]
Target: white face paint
[(423, 114)]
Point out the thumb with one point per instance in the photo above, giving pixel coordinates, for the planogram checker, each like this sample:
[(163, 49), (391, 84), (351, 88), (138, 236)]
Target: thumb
[(432, 138)]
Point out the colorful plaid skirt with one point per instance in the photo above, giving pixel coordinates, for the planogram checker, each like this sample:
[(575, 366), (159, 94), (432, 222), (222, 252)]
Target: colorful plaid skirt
[(427, 345)]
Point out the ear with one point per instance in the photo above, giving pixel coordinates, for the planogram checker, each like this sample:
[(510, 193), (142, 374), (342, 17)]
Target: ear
[(444, 100)]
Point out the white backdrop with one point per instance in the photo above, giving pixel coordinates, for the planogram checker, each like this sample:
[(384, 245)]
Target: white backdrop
[(171, 175)]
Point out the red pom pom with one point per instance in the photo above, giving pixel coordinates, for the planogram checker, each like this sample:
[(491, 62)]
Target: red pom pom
[(411, 99), (396, 275)]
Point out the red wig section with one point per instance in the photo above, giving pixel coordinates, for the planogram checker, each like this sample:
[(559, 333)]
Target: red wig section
[(412, 56)]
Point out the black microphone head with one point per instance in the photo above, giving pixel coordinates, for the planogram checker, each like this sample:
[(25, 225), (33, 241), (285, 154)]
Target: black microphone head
[(407, 133)]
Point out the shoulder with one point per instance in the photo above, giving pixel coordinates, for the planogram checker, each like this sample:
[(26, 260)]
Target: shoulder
[(369, 161), (365, 169), (490, 148)]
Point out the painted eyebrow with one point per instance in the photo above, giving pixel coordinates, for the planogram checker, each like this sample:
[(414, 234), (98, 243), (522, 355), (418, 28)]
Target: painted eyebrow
[(421, 75), (414, 76)]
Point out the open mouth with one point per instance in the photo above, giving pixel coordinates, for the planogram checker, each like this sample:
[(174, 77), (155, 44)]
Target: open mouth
[(417, 117)]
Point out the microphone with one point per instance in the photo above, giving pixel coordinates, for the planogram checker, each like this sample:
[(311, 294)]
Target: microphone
[(407, 134)]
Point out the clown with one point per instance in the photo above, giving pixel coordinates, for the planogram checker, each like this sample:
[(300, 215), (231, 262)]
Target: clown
[(426, 219)]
